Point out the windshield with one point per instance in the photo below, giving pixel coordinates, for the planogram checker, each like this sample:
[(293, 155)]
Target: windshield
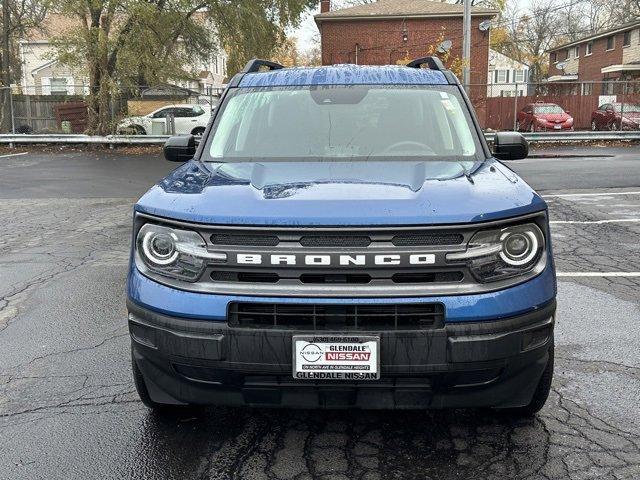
[(344, 123), (548, 109), (627, 107)]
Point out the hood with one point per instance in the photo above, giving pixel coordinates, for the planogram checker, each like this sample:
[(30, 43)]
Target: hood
[(554, 117), (338, 193)]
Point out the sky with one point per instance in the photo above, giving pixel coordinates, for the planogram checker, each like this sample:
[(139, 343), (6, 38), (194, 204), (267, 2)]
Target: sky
[(307, 30)]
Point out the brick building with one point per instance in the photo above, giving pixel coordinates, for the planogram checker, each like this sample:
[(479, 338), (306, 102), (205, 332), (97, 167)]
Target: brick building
[(598, 64), (393, 31)]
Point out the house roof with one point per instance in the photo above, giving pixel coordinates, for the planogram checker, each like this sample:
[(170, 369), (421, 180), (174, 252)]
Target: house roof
[(622, 28), (494, 56), (403, 9), (53, 25)]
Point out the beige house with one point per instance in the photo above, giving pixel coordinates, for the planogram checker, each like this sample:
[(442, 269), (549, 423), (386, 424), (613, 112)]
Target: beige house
[(507, 77), (43, 75)]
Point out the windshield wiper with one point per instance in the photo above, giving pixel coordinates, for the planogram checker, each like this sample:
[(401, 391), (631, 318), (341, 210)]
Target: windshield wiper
[(466, 173)]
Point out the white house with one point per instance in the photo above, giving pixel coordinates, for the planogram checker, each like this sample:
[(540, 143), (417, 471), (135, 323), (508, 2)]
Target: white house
[(506, 76), (43, 75)]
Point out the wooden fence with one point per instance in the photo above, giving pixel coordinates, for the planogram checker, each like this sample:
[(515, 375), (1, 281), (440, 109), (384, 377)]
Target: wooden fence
[(500, 110), (49, 113)]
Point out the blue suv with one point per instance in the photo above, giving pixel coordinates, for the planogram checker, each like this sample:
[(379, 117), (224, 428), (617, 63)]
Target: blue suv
[(343, 237)]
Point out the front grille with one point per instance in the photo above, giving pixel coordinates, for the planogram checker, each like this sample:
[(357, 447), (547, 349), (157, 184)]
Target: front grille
[(338, 261), (336, 317)]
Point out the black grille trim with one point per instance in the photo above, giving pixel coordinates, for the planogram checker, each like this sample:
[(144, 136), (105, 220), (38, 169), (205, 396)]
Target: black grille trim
[(427, 239), (335, 241), (305, 316), (245, 240)]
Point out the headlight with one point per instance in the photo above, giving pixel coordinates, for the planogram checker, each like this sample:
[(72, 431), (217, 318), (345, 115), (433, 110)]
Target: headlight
[(179, 254), (499, 254)]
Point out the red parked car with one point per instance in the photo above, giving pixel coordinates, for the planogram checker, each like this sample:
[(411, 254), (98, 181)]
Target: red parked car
[(616, 116), (540, 117)]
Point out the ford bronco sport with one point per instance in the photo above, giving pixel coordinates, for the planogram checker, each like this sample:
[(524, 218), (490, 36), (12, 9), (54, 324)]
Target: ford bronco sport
[(343, 237)]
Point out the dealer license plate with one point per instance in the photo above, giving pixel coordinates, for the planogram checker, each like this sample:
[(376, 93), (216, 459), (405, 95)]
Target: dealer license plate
[(336, 357)]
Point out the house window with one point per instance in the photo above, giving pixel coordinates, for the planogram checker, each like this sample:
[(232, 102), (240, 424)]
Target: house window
[(589, 48), (518, 76), (576, 52), (554, 57), (626, 39), (587, 88), (58, 86), (608, 87), (611, 42), (501, 76)]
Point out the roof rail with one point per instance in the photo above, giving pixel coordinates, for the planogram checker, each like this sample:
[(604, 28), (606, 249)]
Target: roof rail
[(434, 63), (254, 65)]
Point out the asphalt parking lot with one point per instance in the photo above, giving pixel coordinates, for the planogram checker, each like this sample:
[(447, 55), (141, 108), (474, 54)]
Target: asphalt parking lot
[(68, 408)]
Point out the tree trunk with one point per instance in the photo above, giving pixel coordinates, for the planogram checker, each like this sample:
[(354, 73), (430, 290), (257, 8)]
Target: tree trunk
[(98, 102)]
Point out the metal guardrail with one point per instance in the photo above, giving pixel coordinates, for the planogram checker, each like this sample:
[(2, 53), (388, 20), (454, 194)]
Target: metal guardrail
[(575, 137), (71, 139), (112, 140)]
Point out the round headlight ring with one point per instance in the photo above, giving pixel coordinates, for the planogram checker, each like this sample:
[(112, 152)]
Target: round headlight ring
[(519, 259), (155, 252)]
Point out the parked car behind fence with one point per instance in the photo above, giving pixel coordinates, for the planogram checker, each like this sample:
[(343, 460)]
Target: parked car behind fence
[(616, 116), (540, 117)]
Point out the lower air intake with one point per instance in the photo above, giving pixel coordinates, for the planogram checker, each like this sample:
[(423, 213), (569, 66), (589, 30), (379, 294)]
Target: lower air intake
[(337, 317)]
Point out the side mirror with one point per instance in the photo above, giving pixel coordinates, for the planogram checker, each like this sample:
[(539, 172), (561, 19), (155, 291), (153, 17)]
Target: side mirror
[(180, 148), (510, 146)]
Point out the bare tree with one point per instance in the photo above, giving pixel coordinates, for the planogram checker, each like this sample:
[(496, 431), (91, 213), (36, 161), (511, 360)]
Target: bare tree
[(529, 34), (23, 16)]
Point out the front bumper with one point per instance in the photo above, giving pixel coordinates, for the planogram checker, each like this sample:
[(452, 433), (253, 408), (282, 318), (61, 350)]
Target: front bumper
[(475, 364)]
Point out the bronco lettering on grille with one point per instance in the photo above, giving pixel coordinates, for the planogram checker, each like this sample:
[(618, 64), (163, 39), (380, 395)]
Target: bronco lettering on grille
[(337, 259)]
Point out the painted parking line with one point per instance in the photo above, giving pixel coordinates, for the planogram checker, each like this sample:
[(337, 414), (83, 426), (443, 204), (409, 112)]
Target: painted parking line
[(13, 154), (598, 274), (600, 194), (594, 222)]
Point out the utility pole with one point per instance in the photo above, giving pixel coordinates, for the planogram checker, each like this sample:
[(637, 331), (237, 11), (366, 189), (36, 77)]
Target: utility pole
[(466, 45), (6, 76)]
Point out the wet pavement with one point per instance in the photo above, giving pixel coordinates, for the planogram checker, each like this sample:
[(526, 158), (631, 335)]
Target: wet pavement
[(68, 408)]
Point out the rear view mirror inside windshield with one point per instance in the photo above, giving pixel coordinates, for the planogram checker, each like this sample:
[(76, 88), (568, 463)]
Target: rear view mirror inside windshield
[(339, 95)]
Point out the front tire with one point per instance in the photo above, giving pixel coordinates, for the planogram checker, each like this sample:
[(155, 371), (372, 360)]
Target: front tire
[(198, 131), (541, 393), (594, 126), (132, 130), (141, 387), (147, 401)]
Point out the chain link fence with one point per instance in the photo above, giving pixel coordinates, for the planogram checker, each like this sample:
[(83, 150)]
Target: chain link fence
[(559, 106), (527, 107)]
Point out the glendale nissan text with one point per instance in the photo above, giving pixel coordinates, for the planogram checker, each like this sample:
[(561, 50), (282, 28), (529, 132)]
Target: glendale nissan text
[(343, 237)]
